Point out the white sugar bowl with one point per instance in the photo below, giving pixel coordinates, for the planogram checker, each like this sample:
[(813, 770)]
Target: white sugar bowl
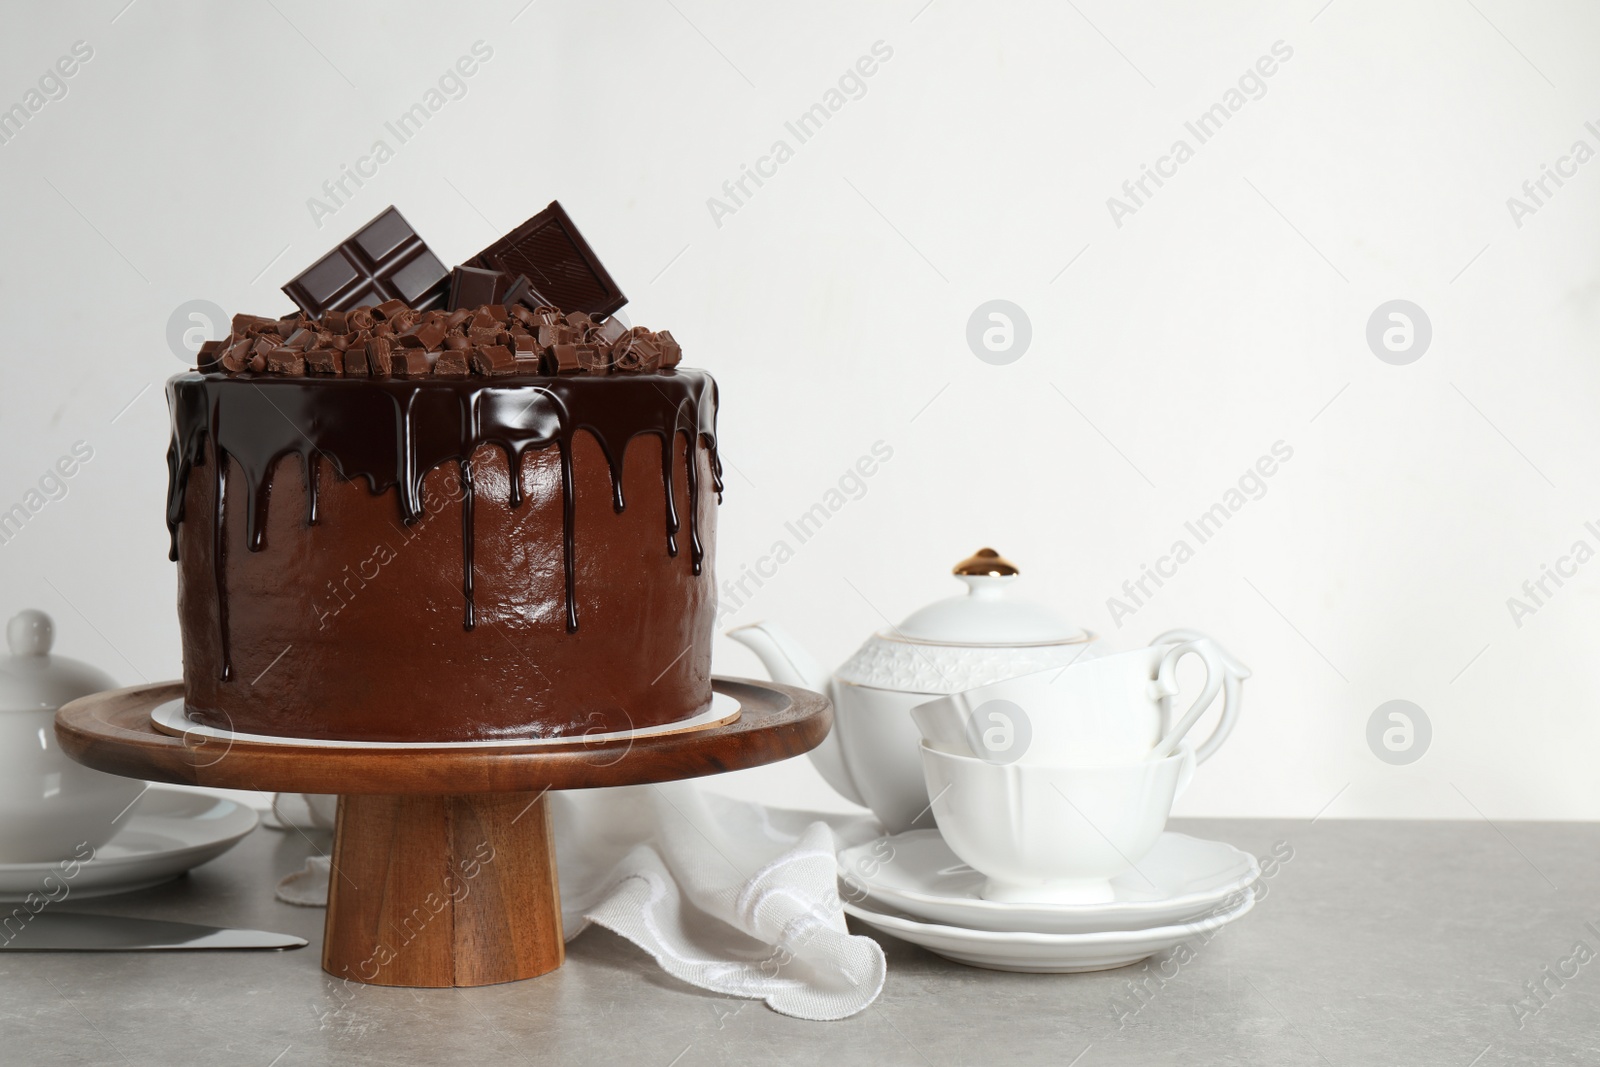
[(51, 807)]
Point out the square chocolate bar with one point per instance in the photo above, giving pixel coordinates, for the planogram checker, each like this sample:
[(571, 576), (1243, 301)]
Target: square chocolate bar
[(557, 262), (384, 260)]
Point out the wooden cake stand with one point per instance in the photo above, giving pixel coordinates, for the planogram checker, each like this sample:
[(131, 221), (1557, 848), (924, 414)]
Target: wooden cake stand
[(443, 866)]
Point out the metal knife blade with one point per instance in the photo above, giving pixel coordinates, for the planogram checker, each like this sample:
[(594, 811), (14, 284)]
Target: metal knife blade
[(64, 931)]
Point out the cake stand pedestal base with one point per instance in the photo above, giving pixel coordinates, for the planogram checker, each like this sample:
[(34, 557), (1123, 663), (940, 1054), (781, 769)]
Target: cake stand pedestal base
[(443, 870), (443, 891)]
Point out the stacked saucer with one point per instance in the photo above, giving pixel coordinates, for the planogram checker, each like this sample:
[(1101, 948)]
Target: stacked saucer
[(913, 887)]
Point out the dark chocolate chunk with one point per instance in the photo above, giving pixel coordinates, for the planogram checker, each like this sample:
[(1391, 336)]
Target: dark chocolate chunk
[(409, 363), (355, 363), (492, 361), (471, 287), (237, 356), (290, 362), (384, 260), (636, 352), (528, 363), (387, 310), (563, 359), (210, 352), (456, 342), (595, 359), (562, 270), (557, 335), (334, 322), (450, 365), (325, 361), (242, 324), (425, 335), (379, 358), (671, 352)]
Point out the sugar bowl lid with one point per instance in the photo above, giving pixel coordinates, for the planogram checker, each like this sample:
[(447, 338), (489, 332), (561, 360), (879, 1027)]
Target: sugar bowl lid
[(31, 679), (988, 614)]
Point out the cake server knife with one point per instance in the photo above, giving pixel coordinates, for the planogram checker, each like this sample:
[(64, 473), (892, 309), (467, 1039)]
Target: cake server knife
[(62, 931)]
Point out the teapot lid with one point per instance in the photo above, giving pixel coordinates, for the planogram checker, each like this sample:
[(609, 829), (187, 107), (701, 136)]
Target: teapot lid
[(31, 679), (988, 614)]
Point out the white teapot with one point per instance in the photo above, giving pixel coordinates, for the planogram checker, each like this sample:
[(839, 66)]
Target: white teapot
[(50, 806), (873, 755)]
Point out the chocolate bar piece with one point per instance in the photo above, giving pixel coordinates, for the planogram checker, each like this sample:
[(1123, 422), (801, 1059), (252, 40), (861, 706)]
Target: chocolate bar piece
[(471, 287), (384, 260), (561, 269)]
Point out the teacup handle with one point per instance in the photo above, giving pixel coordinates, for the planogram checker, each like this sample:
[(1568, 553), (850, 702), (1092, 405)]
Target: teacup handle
[(1222, 669)]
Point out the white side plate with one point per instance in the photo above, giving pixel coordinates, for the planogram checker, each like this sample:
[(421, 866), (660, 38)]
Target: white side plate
[(164, 834)]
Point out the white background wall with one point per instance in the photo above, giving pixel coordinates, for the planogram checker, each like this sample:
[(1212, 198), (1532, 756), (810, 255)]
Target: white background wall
[(1227, 314)]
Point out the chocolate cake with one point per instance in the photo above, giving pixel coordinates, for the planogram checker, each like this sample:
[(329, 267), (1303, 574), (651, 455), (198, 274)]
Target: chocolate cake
[(398, 519)]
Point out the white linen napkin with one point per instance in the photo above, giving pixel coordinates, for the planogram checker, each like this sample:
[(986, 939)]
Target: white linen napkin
[(727, 895)]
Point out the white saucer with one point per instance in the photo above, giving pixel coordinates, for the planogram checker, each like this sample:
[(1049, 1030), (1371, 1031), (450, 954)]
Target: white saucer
[(166, 832), (1047, 953), (169, 718), (1180, 879)]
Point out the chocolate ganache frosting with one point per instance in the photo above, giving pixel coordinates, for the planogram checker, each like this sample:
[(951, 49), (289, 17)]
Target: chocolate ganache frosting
[(390, 434)]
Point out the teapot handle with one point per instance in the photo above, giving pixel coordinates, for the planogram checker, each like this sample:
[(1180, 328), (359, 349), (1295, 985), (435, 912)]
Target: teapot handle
[(1223, 672)]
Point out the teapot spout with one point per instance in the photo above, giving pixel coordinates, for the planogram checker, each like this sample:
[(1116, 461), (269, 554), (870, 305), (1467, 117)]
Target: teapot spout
[(789, 664), (786, 662)]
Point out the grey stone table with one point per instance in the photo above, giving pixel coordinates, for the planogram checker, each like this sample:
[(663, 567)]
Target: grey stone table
[(1460, 944)]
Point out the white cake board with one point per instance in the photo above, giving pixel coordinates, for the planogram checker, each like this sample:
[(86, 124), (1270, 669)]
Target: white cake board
[(169, 718)]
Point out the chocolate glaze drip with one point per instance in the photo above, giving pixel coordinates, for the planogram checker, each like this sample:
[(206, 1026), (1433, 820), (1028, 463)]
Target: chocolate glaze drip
[(468, 499), (392, 433)]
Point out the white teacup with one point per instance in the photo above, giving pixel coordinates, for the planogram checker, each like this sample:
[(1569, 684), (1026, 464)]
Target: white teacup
[(1052, 834), (1115, 709)]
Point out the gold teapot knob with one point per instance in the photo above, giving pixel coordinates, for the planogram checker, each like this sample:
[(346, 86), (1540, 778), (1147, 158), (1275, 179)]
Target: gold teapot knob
[(988, 562)]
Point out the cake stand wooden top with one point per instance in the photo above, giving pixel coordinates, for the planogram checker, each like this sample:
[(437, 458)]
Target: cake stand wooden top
[(112, 732)]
